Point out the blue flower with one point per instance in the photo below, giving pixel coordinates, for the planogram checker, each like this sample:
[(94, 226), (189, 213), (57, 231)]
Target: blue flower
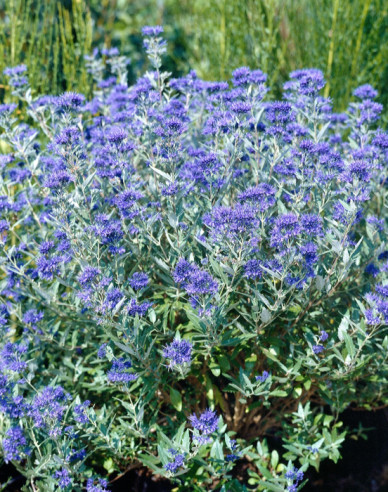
[(88, 275), (119, 372), (311, 224), (232, 222), (102, 351), (10, 357), (241, 76), (201, 282), (365, 91), (138, 281), (4, 315), (179, 352), (323, 336), (80, 412), (100, 486), (308, 81), (279, 113), (317, 349), (112, 298), (48, 408), (7, 108), (262, 195), (263, 377), (286, 227), (134, 308), (15, 445), (309, 253), (178, 461), (152, 30), (296, 476), (69, 100), (63, 478), (206, 424), (32, 317)]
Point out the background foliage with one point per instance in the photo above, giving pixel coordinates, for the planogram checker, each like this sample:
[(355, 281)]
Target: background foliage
[(212, 36), (50, 38)]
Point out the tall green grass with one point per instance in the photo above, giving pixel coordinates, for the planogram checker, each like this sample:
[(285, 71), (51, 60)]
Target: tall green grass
[(347, 39), (50, 38)]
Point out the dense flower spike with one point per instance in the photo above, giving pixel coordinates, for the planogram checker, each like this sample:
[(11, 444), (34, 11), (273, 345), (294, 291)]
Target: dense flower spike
[(178, 461), (295, 476), (195, 281), (48, 408), (139, 281), (63, 477), (119, 371), (15, 445), (98, 485), (178, 352), (206, 424)]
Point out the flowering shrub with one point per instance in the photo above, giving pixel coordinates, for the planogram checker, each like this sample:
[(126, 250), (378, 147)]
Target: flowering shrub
[(193, 278)]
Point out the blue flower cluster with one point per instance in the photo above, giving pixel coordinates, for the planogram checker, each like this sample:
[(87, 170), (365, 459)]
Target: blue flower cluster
[(205, 424), (295, 476), (15, 445), (178, 352), (178, 461)]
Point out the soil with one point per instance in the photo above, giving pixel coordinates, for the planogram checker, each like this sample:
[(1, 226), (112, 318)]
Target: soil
[(364, 463)]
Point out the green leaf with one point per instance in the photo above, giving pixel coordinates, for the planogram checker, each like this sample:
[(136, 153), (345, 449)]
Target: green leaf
[(270, 486), (279, 393), (223, 362), (343, 327), (349, 345), (176, 399), (216, 451), (109, 465), (273, 357), (215, 369), (274, 459)]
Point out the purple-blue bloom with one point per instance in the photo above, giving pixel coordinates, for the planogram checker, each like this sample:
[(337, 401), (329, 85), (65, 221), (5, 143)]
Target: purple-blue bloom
[(317, 349), (139, 280), (63, 478), (69, 100), (263, 377), (152, 30), (96, 485), (286, 228), (201, 282), (102, 351), (48, 408), (120, 371), (10, 357), (365, 91), (88, 275), (177, 462), (32, 317), (15, 445), (324, 336), (80, 412), (206, 424), (140, 309), (262, 195), (178, 352)]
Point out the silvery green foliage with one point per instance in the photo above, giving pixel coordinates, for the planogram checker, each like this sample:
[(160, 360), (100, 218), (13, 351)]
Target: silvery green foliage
[(187, 269)]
